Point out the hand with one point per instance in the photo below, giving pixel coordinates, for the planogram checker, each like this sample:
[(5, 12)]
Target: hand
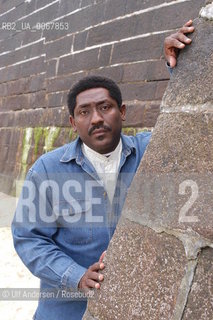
[(175, 42), (92, 278)]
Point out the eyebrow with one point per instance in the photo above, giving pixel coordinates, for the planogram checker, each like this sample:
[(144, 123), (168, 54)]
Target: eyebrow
[(84, 105)]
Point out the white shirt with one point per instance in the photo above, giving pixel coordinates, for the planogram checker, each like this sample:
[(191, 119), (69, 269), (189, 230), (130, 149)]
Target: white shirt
[(106, 166)]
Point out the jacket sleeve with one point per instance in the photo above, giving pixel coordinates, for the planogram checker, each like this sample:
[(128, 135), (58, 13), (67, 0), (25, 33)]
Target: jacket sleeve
[(34, 238)]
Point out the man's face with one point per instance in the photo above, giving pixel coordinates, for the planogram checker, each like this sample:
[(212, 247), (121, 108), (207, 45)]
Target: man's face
[(98, 119)]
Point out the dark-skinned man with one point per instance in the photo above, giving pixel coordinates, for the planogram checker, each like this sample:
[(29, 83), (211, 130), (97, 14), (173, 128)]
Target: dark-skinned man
[(73, 196)]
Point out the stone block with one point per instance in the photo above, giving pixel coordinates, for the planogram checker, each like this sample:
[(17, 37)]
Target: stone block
[(114, 9), (63, 83), (80, 40), (200, 300), (142, 114), (85, 60), (150, 71), (58, 47), (68, 6), (130, 51), (104, 56), (25, 69), (142, 275), (115, 73), (143, 90)]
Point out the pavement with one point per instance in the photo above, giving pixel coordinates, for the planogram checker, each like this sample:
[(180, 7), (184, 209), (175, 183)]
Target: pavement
[(13, 273)]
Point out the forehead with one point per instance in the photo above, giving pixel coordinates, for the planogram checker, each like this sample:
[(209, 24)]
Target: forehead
[(93, 95)]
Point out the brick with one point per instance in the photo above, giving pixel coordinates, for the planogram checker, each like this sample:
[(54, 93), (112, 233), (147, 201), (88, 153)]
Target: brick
[(22, 70), (112, 31), (21, 54), (51, 68), (85, 3), (104, 56), (67, 6), (6, 33), (80, 40), (114, 9), (19, 38), (37, 99), (30, 7), (82, 61), (77, 22), (31, 84), (42, 3), (58, 47), (143, 4), (63, 83), (151, 114), (11, 43), (143, 91), (44, 15), (7, 5), (30, 36), (137, 5), (36, 118), (115, 73), (131, 50), (15, 103), (56, 33), (14, 14), (23, 101), (142, 114), (154, 70), (56, 99)]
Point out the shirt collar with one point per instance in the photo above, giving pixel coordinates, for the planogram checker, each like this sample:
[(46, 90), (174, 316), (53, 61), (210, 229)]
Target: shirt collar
[(92, 154), (73, 150)]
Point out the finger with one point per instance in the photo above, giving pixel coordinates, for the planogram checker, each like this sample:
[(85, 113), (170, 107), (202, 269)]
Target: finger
[(92, 284), (102, 256), (95, 276), (188, 23), (173, 42), (172, 61), (97, 266), (185, 29), (182, 38)]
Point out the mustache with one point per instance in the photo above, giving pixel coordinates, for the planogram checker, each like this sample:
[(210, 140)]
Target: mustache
[(107, 128)]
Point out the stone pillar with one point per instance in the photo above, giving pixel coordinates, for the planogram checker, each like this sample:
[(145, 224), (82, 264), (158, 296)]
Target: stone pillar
[(159, 264)]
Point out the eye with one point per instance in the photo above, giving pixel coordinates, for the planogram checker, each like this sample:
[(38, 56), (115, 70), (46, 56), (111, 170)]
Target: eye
[(105, 107), (83, 112)]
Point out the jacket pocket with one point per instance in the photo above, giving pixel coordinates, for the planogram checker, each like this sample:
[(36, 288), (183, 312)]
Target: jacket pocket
[(72, 219)]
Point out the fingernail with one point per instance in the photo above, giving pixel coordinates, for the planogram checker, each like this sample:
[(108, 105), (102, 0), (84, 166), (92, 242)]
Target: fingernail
[(97, 285)]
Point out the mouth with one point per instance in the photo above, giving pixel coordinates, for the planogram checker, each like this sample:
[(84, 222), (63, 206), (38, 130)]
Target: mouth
[(99, 131)]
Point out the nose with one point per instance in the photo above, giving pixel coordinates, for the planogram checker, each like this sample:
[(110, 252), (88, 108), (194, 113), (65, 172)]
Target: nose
[(96, 117)]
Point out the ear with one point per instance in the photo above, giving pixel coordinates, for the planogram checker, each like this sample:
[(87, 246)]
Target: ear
[(123, 112), (72, 122)]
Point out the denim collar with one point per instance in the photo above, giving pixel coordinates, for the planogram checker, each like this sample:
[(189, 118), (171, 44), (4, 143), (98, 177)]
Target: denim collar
[(74, 152)]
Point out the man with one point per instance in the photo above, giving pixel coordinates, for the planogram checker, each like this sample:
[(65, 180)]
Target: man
[(73, 196)]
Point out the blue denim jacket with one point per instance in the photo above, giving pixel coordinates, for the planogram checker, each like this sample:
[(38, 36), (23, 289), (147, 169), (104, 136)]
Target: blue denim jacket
[(64, 220)]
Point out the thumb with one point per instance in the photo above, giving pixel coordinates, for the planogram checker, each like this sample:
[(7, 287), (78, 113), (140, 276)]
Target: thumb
[(102, 256), (172, 61)]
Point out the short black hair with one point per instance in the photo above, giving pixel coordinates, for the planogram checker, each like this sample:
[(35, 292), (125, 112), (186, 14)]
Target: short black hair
[(91, 82)]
